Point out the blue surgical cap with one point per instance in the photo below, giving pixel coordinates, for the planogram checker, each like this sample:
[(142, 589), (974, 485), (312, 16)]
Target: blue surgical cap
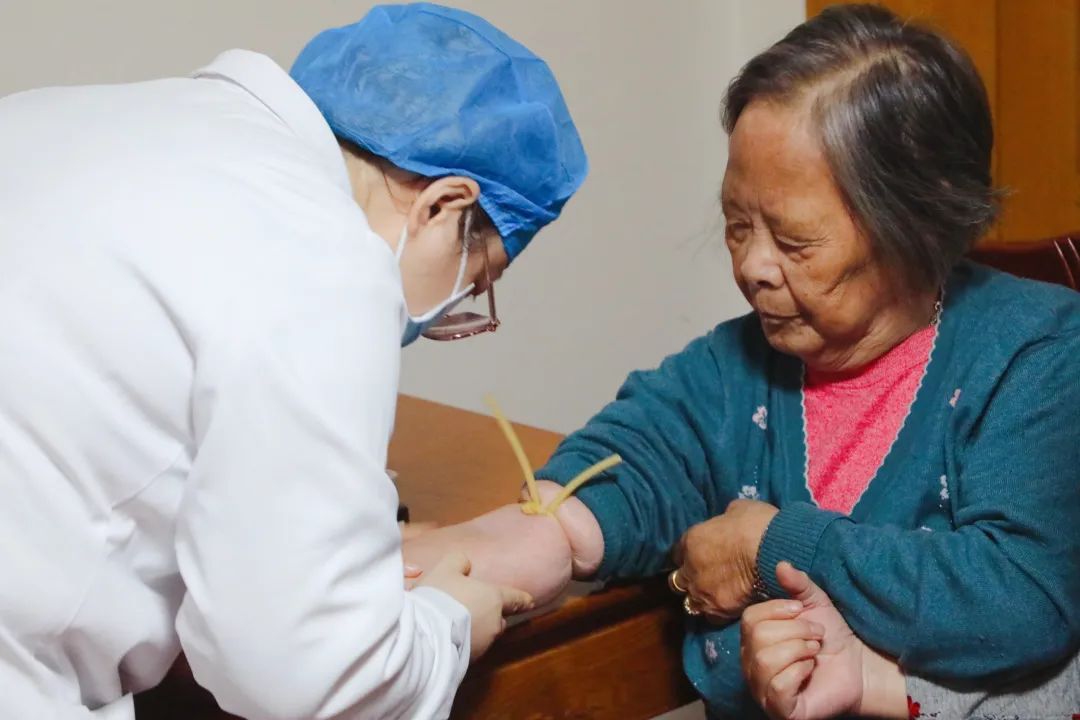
[(439, 92)]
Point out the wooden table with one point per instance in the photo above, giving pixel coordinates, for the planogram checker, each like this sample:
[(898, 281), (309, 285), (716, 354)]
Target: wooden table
[(611, 655)]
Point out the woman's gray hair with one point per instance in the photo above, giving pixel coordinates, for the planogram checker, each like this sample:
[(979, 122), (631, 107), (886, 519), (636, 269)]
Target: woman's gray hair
[(904, 123)]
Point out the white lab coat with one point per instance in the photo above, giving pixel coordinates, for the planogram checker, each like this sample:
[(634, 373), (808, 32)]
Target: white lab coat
[(199, 347)]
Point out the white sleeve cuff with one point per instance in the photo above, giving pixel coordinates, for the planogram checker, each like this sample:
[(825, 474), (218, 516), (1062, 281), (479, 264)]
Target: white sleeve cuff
[(460, 628)]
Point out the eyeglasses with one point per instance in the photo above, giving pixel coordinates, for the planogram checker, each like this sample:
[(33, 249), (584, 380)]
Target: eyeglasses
[(459, 326)]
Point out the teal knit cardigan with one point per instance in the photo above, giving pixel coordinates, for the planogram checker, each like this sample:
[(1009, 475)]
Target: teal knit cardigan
[(961, 558)]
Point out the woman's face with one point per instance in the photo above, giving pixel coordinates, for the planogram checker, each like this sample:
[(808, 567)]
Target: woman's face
[(798, 257)]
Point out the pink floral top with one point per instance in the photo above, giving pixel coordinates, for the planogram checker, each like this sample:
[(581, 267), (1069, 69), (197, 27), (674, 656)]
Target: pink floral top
[(853, 419)]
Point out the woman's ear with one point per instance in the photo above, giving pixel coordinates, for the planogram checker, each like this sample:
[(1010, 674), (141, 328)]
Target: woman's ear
[(442, 201)]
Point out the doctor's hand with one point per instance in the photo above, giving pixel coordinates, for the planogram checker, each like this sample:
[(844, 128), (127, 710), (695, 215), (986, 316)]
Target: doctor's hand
[(408, 532), (803, 662), (506, 547), (487, 604)]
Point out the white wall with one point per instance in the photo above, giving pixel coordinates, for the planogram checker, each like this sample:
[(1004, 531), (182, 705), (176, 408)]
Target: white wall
[(635, 267)]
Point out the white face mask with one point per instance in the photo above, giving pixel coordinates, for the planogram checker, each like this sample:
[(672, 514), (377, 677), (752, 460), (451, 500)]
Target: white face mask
[(418, 324)]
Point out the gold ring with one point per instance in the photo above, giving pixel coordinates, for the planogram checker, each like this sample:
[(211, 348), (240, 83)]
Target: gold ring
[(673, 582), (688, 606)]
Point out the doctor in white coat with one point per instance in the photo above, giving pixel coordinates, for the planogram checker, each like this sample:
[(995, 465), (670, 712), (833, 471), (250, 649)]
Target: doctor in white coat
[(205, 284)]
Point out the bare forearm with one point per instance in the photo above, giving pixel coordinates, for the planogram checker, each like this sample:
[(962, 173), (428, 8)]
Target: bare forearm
[(884, 690), (581, 529), (505, 547)]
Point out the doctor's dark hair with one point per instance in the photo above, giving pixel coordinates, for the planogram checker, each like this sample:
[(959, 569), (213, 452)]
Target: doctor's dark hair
[(476, 227), (904, 124)]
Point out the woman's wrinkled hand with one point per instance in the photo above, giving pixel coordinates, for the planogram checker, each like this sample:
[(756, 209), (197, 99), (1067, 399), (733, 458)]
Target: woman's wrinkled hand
[(716, 559), (505, 547)]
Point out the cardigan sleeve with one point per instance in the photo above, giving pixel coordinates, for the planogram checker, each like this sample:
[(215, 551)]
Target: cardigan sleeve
[(656, 424), (997, 594)]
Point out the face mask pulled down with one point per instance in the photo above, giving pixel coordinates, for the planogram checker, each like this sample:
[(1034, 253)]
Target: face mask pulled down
[(417, 324)]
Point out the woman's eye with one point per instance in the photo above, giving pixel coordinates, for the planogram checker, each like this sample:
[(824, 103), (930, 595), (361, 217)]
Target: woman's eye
[(786, 245), (789, 245), (737, 230)]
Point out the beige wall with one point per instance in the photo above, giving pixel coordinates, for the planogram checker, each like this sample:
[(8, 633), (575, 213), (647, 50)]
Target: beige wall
[(633, 270)]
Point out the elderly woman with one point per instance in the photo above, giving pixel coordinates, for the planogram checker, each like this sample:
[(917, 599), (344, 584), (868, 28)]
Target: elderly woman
[(895, 421)]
